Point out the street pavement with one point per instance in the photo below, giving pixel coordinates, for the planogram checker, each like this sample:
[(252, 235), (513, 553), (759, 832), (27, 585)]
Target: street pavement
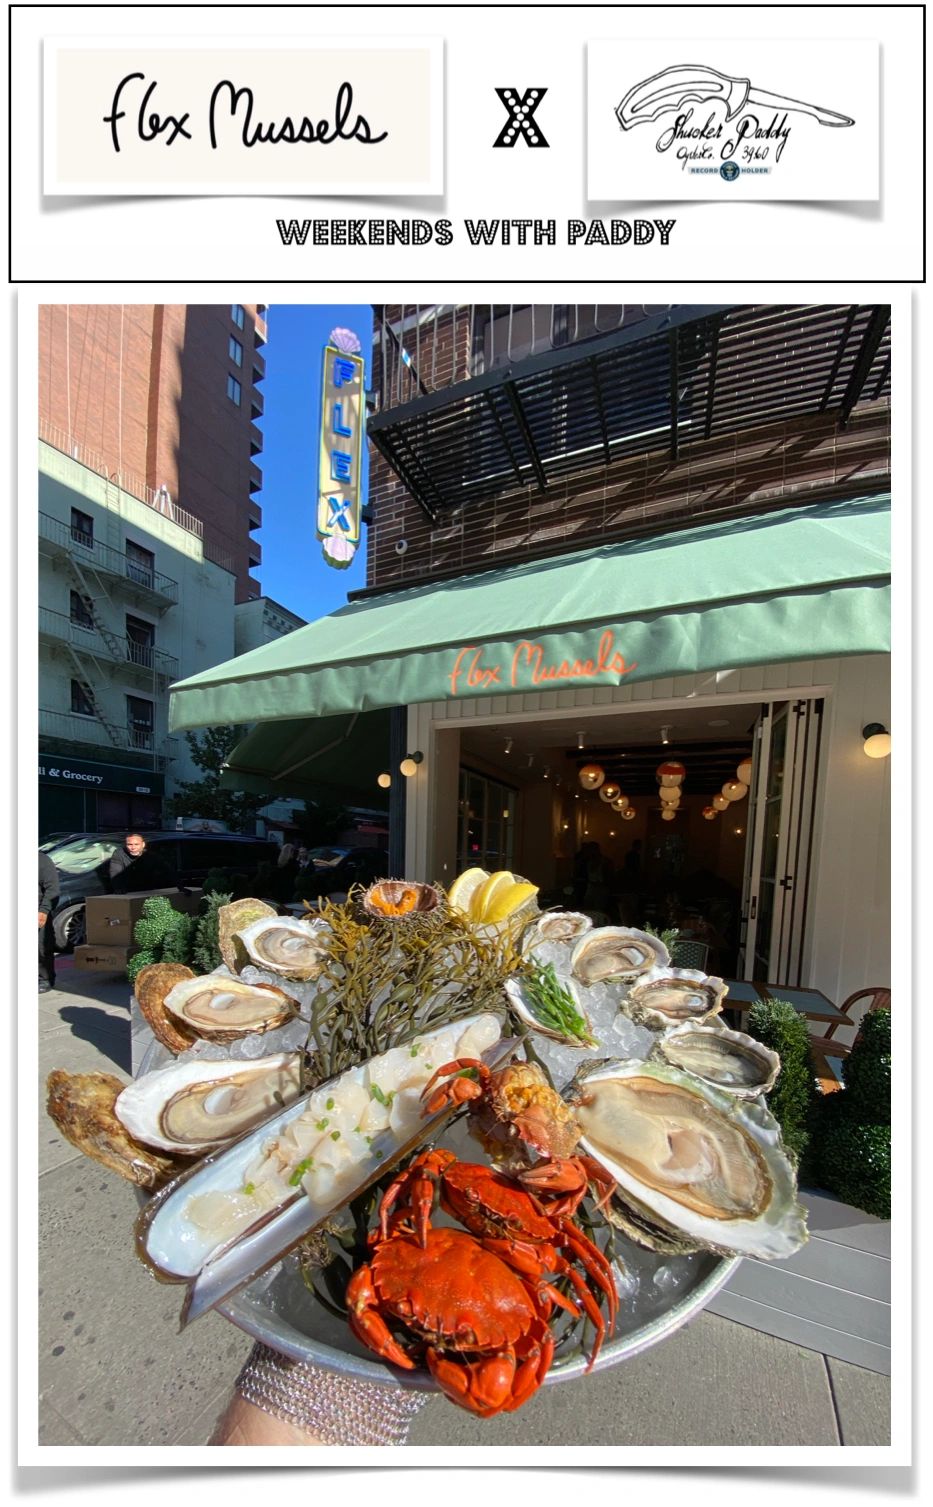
[(113, 1368)]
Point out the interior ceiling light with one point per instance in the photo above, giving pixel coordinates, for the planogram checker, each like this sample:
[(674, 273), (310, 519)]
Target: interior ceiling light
[(508, 744), (591, 776), (384, 779), (665, 734), (579, 740)]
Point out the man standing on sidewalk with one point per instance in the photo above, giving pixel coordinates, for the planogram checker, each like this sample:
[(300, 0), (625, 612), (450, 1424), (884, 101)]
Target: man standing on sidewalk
[(48, 897)]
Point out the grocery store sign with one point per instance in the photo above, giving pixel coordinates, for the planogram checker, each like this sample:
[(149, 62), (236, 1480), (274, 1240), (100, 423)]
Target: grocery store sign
[(341, 448), (83, 773)]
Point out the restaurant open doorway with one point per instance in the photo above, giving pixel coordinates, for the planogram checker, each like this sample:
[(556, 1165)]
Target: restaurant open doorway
[(735, 884)]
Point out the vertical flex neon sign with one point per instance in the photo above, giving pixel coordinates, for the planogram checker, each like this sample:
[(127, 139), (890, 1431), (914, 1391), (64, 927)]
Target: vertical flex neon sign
[(341, 449)]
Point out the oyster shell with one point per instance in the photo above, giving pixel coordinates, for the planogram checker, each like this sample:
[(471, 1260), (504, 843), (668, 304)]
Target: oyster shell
[(522, 1004), (729, 1060), (231, 920), (555, 926), (292, 948), (190, 1107), (219, 1008), (152, 984), (667, 997), (82, 1107), (616, 952), (698, 1161), (240, 1209), (400, 900)]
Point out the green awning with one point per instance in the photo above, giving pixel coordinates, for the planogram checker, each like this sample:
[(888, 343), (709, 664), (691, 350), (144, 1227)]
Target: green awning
[(301, 757), (810, 583)]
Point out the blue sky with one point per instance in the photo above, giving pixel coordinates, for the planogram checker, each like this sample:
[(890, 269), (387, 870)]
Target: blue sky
[(293, 569)]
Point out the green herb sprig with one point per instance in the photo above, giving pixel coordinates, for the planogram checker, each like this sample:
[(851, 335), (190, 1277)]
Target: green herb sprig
[(553, 1006)]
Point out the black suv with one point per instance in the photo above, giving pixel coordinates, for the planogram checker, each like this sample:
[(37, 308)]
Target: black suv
[(171, 858), (357, 866)]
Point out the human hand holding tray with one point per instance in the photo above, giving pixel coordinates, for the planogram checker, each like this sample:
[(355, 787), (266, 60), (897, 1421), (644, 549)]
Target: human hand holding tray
[(695, 83)]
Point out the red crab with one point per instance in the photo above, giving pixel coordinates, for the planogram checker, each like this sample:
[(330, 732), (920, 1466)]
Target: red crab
[(475, 1307), (514, 1108)]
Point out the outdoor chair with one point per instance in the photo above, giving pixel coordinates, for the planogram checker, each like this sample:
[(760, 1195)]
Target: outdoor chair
[(690, 955), (827, 1052)]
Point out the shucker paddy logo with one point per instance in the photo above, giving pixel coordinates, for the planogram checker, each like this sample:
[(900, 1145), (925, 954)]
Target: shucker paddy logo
[(722, 125)]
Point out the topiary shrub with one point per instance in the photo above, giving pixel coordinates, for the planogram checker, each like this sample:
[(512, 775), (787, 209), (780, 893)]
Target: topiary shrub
[(866, 1072), (852, 1143), (852, 1159), (163, 935), (205, 954), (792, 1101)]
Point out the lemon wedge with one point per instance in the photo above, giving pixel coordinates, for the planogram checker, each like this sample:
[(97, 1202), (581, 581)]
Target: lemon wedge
[(483, 899), (461, 892), (508, 901)]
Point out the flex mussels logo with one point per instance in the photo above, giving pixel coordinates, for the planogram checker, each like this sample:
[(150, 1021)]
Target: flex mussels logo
[(177, 117)]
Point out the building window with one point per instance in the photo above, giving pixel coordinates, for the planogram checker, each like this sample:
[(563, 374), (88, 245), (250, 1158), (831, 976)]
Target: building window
[(81, 612), (82, 701), (140, 721), (487, 822), (82, 528), (140, 641), (235, 351), (238, 315), (140, 564), (233, 390)]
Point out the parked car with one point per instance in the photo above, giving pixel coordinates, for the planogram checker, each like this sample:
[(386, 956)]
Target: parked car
[(356, 866), (176, 858)]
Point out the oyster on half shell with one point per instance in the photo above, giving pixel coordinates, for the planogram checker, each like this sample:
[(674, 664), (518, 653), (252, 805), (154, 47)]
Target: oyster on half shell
[(555, 926), (616, 952), (221, 1009), (190, 1107), (666, 997), (729, 1060), (292, 948), (696, 1160)]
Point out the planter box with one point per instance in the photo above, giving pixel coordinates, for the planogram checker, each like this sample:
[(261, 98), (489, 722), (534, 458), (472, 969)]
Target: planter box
[(834, 1295)]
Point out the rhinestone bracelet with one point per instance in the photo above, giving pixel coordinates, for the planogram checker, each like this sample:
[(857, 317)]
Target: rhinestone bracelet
[(336, 1409)]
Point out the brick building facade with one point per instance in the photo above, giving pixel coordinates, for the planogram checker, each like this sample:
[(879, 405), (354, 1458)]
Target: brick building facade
[(163, 399)]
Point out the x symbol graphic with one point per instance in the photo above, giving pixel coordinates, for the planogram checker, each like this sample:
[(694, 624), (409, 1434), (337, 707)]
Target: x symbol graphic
[(521, 120), (338, 514)]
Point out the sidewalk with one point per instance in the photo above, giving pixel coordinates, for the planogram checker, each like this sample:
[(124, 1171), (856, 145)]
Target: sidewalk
[(113, 1368)]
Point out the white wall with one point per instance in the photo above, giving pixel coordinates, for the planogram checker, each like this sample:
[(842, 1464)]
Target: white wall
[(847, 945)]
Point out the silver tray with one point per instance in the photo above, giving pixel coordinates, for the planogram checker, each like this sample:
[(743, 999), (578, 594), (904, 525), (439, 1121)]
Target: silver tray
[(282, 1313)]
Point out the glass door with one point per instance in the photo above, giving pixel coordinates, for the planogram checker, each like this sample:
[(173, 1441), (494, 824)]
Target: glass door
[(782, 800)]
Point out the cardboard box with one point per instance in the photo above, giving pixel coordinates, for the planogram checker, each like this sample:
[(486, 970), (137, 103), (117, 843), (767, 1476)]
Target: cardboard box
[(91, 958), (109, 919)]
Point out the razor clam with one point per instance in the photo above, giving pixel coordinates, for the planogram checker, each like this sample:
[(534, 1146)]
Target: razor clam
[(292, 948), (694, 1159), (222, 1009), (555, 926), (240, 1209), (616, 952), (729, 1060), (193, 1106), (670, 996)]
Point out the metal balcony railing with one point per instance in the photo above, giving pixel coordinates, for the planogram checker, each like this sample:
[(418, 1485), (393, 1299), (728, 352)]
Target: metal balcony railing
[(422, 348), (55, 625), (157, 498), (90, 552), (72, 727)]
